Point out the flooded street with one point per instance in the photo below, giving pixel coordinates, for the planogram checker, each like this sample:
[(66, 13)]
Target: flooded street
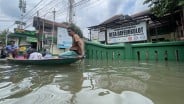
[(93, 82)]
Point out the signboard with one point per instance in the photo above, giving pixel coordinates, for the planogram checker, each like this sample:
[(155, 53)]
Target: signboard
[(63, 39), (24, 32), (131, 33)]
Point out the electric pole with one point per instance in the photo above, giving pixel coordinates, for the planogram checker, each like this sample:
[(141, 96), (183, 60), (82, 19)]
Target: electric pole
[(53, 30), (71, 10), (22, 7)]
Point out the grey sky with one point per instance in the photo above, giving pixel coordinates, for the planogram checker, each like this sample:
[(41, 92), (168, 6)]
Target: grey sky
[(9, 8), (91, 13)]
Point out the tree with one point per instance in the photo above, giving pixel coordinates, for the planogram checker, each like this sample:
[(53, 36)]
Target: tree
[(161, 7), (3, 36)]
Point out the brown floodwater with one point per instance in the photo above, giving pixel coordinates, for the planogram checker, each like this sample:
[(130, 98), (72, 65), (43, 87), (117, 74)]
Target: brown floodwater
[(93, 82)]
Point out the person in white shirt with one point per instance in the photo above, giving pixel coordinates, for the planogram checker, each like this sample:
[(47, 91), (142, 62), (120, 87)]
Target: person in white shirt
[(35, 56)]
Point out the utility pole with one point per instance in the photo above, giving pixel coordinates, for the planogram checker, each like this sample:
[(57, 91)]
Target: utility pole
[(71, 10), (52, 44), (43, 32), (6, 38), (22, 7)]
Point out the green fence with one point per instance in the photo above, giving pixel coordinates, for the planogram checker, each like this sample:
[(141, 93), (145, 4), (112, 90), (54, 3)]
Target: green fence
[(142, 51)]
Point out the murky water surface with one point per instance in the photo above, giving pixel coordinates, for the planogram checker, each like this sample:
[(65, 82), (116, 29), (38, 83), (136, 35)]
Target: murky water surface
[(93, 82)]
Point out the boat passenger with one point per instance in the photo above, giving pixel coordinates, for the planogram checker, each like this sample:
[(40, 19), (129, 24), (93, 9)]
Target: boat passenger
[(12, 49), (35, 56), (47, 55), (77, 48), (2, 52), (28, 52)]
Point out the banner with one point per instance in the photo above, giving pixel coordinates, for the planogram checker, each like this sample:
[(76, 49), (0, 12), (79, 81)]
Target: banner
[(131, 33), (63, 39)]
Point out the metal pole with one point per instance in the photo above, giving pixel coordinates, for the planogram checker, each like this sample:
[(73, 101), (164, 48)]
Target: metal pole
[(6, 40), (43, 33), (53, 30), (71, 10), (182, 21)]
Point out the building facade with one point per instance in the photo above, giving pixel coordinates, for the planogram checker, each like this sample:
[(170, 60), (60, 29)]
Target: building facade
[(47, 32), (141, 36), (140, 28)]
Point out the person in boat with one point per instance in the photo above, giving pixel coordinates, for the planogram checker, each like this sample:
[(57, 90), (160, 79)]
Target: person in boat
[(28, 52), (77, 48), (35, 55), (12, 49), (2, 51), (46, 54)]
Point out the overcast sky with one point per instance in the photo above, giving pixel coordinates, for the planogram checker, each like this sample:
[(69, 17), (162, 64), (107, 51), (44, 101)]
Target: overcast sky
[(88, 13)]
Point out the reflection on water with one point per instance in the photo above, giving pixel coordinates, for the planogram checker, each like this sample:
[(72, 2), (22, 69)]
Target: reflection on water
[(93, 82)]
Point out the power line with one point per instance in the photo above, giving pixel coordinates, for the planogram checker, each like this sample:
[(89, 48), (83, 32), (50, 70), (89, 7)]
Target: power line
[(43, 14), (33, 7), (41, 9), (45, 6), (80, 3), (64, 9)]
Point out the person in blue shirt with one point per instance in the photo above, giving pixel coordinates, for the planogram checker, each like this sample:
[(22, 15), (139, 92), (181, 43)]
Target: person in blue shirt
[(12, 49)]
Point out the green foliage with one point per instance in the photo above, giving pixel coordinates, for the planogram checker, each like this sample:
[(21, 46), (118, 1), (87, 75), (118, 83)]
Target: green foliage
[(181, 3), (3, 36), (161, 7)]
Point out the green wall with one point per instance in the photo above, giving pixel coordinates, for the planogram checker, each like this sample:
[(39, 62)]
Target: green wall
[(109, 52), (171, 51)]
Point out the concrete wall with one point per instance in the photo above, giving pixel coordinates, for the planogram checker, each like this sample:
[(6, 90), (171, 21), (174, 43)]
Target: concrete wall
[(171, 51)]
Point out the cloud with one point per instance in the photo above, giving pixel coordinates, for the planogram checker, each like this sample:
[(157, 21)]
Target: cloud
[(116, 6), (10, 8), (104, 10), (10, 13), (138, 7), (89, 14)]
